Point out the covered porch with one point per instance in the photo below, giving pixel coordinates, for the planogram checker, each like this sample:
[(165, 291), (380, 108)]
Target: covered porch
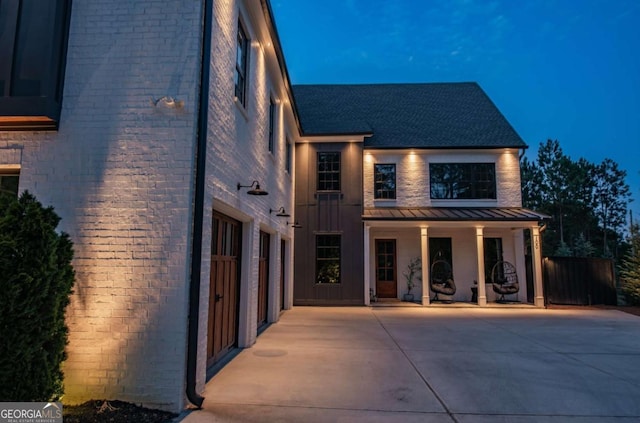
[(472, 243)]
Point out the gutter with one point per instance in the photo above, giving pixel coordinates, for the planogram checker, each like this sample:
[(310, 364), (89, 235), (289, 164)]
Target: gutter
[(198, 212)]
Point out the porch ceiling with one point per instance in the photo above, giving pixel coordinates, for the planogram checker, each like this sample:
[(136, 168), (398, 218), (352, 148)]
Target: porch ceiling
[(454, 214)]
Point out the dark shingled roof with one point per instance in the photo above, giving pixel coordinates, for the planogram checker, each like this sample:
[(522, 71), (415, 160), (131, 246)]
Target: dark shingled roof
[(440, 115)]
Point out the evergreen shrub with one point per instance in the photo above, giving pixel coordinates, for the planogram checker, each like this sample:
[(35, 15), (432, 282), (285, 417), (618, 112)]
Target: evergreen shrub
[(36, 279)]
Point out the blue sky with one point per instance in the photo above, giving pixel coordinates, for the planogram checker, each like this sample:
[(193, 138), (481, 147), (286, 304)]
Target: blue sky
[(557, 69)]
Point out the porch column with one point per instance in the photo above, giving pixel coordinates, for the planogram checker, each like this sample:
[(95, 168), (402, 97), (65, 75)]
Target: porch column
[(482, 291), (367, 265), (537, 267), (424, 258)]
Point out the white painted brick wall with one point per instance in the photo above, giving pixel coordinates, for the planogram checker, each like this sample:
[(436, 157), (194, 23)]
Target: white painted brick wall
[(238, 153), (412, 177), (119, 173)]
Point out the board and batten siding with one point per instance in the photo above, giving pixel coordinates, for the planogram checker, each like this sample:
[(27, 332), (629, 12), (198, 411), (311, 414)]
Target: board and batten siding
[(329, 213)]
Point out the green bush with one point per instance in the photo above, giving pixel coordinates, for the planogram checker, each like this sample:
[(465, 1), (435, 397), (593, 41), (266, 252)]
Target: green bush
[(36, 279), (630, 270)]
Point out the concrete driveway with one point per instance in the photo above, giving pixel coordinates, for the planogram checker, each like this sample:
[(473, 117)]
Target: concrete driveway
[(406, 364)]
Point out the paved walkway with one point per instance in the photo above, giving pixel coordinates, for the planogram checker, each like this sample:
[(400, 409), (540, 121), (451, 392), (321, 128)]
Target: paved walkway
[(399, 364)]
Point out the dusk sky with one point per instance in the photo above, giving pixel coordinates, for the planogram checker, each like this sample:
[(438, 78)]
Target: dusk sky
[(557, 69)]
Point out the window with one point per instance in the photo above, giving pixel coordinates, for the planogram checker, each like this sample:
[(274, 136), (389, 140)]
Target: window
[(9, 182), (288, 157), (272, 124), (453, 181), (492, 255), (384, 181), (242, 52), (33, 45), (328, 259), (328, 171)]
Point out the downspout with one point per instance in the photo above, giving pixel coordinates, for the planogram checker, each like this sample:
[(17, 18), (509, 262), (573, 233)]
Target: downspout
[(198, 212)]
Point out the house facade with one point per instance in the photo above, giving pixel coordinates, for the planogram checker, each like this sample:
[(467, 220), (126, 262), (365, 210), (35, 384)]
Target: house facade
[(440, 181), (143, 123), (168, 138)]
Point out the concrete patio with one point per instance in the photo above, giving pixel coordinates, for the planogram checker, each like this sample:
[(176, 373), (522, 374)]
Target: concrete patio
[(436, 364)]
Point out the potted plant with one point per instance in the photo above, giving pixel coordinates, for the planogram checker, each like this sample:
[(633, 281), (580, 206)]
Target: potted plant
[(412, 275)]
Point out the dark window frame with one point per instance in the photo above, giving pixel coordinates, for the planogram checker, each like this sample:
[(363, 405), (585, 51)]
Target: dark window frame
[(324, 272), (463, 181), (329, 172), (493, 253), (288, 155), (9, 182), (381, 189), (272, 126), (32, 73), (242, 64)]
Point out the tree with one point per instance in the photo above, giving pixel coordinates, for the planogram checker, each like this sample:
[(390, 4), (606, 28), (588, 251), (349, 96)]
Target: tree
[(612, 195), (36, 278), (630, 270)]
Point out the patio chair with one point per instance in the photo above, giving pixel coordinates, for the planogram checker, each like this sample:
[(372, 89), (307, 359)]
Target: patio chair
[(504, 279), (441, 281)]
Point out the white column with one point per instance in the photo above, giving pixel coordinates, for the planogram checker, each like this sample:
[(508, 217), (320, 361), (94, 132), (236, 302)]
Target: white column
[(537, 267), (367, 264), (424, 258), (482, 291), (273, 290)]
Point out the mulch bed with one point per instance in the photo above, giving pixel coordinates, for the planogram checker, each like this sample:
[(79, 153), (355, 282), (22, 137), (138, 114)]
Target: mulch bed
[(113, 412)]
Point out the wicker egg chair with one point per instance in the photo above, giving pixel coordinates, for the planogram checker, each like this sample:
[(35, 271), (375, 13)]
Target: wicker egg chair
[(504, 279), (441, 281)]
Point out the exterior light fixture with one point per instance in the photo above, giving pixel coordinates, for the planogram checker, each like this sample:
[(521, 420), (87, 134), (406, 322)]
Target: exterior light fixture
[(280, 212), (295, 225), (168, 101), (256, 190)]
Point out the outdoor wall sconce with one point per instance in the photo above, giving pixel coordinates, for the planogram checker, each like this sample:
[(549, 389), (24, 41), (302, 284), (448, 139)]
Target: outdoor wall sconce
[(168, 101), (294, 225), (256, 190), (280, 212)]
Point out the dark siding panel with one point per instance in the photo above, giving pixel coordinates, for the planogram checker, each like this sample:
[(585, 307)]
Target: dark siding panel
[(329, 213)]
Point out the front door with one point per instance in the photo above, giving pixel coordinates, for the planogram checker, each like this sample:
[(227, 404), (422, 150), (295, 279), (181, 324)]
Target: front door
[(263, 278), (386, 280), (224, 280)]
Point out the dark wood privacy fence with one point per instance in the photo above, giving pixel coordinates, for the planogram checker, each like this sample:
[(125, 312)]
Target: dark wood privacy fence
[(579, 281)]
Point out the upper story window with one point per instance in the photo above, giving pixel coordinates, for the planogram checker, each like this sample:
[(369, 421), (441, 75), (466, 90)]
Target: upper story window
[(9, 182), (328, 171), (242, 58), (384, 176), (33, 46), (288, 156), (468, 181), (272, 124)]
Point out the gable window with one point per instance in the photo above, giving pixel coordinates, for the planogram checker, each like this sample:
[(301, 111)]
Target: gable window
[(288, 156), (33, 45), (242, 53), (272, 123), (452, 181), (328, 171), (384, 181), (9, 182), (328, 259)]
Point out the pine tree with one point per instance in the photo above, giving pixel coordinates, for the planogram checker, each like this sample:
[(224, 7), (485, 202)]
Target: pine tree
[(630, 271)]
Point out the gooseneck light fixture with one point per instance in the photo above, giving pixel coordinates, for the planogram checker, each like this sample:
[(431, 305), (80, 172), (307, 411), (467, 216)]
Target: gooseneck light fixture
[(294, 225), (280, 212), (255, 188)]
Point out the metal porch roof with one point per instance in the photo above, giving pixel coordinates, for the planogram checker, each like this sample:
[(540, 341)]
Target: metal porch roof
[(493, 214)]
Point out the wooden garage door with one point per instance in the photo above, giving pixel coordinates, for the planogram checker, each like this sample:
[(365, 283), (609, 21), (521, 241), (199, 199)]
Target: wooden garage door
[(224, 287), (263, 278)]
